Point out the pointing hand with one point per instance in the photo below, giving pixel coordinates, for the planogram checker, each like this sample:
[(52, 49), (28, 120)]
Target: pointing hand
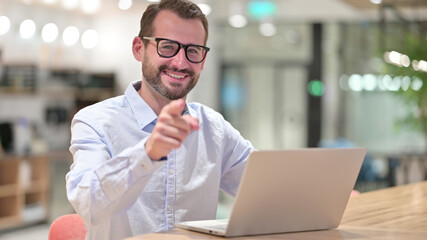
[(171, 129)]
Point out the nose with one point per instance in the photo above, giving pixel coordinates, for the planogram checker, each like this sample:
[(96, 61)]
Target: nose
[(180, 60)]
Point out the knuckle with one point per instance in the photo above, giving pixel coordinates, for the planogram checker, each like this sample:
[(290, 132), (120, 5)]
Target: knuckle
[(156, 138), (160, 128), (178, 144), (163, 118)]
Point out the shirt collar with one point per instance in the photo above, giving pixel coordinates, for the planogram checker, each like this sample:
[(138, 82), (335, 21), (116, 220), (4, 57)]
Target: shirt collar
[(143, 113)]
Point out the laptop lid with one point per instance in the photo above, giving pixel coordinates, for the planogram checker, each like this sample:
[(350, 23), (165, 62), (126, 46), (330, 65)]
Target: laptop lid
[(294, 190)]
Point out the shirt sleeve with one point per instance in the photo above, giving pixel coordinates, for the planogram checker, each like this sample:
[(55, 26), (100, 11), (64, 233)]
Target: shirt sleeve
[(100, 186), (235, 155)]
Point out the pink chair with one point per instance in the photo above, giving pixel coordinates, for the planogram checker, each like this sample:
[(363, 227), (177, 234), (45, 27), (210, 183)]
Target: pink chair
[(354, 193), (68, 227)]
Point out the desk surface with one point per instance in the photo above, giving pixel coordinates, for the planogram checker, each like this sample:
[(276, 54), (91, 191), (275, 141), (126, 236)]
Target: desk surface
[(403, 207), (397, 213)]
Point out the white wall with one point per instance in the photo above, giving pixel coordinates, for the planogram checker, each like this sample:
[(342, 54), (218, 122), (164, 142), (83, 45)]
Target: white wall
[(114, 52)]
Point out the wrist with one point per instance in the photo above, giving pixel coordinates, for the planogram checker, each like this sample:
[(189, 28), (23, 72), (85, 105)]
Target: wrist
[(151, 153)]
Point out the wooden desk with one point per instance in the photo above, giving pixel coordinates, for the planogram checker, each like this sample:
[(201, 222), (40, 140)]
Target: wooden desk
[(403, 207), (398, 213)]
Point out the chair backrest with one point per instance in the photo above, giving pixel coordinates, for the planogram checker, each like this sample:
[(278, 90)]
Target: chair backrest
[(354, 193), (68, 227)]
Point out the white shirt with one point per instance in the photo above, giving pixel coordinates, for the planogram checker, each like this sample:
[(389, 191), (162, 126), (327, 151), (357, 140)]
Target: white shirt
[(120, 192)]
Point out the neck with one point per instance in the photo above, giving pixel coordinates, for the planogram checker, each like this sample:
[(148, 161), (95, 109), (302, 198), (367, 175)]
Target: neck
[(152, 97)]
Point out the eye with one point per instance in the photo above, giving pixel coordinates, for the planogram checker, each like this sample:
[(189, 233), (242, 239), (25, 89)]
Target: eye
[(195, 50), (167, 46)]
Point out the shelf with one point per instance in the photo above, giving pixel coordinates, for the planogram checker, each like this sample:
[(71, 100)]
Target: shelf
[(8, 222), (19, 78), (9, 169), (16, 90), (71, 83), (38, 186), (94, 94), (9, 190), (35, 198), (27, 201), (10, 206)]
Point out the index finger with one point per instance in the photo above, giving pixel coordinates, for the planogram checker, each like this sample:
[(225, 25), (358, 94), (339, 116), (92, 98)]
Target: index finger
[(175, 107)]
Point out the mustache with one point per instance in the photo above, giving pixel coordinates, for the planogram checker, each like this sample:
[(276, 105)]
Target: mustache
[(174, 69)]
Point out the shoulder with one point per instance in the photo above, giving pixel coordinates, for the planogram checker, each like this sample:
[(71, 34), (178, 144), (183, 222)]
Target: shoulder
[(205, 112), (210, 119), (104, 109)]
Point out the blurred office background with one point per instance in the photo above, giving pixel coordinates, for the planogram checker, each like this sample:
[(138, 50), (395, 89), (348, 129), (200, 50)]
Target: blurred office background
[(286, 73)]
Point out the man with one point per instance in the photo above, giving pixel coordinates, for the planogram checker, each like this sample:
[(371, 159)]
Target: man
[(148, 159)]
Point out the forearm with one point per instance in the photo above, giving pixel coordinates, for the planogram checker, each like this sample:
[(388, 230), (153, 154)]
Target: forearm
[(100, 186)]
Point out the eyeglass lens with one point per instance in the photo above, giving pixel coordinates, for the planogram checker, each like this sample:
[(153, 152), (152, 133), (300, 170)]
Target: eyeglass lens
[(168, 48)]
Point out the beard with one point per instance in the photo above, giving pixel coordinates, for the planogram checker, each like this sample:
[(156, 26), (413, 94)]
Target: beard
[(175, 90)]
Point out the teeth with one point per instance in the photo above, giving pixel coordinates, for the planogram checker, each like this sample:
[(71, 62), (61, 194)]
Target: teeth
[(174, 75)]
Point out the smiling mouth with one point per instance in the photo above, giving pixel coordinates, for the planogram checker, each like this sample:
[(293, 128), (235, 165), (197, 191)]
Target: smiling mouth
[(176, 76), (175, 73)]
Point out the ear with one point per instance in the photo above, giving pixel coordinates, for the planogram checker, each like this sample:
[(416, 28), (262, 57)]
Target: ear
[(138, 48), (203, 63)]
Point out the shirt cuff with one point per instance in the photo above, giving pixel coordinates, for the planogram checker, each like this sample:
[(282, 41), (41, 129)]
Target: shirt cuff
[(146, 162)]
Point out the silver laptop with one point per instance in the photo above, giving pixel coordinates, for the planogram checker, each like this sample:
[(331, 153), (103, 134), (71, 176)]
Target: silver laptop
[(289, 191)]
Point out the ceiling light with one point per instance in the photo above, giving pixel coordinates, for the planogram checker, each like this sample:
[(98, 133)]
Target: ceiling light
[(237, 21), (90, 39), (267, 29), (262, 9), (355, 82), (394, 57), (70, 36), (404, 60), (419, 65), (4, 25), (416, 84), (369, 82), (406, 83), (49, 1), (206, 8), (27, 28), (70, 4), (90, 6), (376, 1), (125, 4), (49, 32), (397, 59)]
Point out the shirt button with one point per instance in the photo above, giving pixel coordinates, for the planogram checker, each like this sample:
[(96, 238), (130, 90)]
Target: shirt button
[(170, 171)]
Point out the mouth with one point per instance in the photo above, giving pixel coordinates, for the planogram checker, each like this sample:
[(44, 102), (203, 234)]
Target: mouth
[(175, 75)]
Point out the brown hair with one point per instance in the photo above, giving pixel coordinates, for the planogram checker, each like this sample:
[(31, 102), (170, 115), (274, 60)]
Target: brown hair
[(184, 9)]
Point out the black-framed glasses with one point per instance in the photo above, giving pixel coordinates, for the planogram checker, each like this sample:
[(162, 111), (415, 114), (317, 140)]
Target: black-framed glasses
[(168, 48)]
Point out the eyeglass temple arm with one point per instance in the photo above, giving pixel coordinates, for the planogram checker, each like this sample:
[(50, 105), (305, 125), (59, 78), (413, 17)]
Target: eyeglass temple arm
[(148, 38)]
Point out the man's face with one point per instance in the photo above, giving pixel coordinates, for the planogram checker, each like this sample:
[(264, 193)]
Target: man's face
[(174, 77)]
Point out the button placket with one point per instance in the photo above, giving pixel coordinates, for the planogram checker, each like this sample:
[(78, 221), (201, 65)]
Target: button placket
[(170, 193)]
